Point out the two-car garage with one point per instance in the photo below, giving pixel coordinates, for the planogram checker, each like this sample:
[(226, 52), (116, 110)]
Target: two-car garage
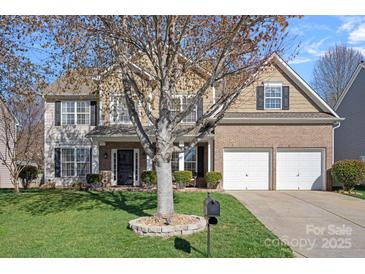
[(291, 169)]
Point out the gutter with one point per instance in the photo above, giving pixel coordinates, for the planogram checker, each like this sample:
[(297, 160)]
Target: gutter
[(280, 120), (333, 140)]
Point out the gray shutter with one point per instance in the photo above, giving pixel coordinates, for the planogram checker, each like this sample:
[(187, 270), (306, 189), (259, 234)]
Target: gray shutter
[(285, 98), (91, 160), (57, 114), (200, 107), (260, 97), (57, 162), (94, 113)]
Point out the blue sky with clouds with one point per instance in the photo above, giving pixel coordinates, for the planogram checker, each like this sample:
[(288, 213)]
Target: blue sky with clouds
[(315, 34)]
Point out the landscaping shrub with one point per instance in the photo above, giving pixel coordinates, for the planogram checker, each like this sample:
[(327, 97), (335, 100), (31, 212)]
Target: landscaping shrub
[(183, 177), (28, 174), (49, 185), (80, 186), (349, 172), (213, 178), (149, 177), (93, 178)]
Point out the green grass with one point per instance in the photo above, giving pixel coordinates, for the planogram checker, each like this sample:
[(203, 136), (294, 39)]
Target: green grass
[(65, 223), (359, 192)]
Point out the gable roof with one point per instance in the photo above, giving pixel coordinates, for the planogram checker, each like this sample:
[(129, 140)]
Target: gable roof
[(349, 84), (303, 85)]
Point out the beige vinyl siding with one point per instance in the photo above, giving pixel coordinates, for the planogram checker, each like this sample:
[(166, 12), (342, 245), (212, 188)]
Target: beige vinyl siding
[(4, 172), (298, 101)]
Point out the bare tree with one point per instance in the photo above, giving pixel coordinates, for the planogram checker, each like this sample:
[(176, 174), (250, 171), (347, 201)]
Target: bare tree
[(333, 70), (19, 135), (149, 56)]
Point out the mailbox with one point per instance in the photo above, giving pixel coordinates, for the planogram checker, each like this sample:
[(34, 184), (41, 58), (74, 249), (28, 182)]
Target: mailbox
[(211, 207)]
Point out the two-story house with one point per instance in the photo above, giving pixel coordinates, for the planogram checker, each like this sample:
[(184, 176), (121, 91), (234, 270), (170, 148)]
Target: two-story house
[(277, 135)]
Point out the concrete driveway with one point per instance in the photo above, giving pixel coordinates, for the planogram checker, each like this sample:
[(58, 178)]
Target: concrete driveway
[(313, 223)]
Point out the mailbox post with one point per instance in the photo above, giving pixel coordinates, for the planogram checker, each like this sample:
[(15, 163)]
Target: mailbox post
[(211, 212)]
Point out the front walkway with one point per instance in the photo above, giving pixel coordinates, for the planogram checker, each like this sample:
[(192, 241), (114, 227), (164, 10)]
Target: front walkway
[(313, 223)]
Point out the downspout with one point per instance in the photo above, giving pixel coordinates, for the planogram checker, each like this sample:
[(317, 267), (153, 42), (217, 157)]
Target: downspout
[(333, 148), (333, 140)]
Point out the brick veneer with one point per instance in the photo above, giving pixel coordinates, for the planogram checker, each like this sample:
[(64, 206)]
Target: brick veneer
[(274, 137)]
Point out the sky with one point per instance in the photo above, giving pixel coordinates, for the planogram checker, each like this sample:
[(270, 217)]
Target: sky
[(315, 34)]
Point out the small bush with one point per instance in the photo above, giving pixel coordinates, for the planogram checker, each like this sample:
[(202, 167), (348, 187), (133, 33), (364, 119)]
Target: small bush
[(149, 177), (80, 186), (28, 174), (93, 178), (213, 178), (183, 177), (349, 172), (49, 185)]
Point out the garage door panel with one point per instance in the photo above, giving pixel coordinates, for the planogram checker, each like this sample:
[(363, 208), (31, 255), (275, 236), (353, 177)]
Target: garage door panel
[(299, 170), (246, 170)]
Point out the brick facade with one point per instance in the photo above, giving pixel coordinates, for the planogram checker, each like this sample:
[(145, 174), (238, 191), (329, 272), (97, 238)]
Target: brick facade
[(274, 137)]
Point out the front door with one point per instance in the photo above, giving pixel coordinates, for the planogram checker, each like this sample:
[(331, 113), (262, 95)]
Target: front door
[(125, 167)]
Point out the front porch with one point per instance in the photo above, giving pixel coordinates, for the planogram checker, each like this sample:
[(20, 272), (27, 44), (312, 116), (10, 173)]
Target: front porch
[(122, 160)]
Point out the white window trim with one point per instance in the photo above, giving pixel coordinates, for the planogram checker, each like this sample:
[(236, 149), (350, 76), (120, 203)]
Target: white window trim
[(75, 162), (274, 84), (75, 113), (110, 115), (181, 96), (196, 159)]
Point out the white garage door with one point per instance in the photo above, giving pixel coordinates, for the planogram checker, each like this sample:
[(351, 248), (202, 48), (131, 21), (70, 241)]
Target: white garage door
[(245, 170), (299, 170)]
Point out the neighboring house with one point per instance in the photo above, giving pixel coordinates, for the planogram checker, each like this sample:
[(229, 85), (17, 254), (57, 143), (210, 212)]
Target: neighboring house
[(277, 135), (7, 125), (350, 136)]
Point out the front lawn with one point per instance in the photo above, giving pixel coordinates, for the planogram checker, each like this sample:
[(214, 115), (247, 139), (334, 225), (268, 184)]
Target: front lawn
[(65, 223), (358, 192)]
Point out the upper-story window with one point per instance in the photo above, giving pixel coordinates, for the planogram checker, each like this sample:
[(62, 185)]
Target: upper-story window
[(119, 110), (75, 113), (273, 95), (180, 103)]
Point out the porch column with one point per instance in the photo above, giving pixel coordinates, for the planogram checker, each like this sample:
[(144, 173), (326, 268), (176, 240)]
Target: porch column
[(181, 156), (95, 157), (210, 154), (149, 163)]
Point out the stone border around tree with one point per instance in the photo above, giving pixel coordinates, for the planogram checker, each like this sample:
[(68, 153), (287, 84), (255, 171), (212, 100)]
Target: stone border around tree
[(167, 230)]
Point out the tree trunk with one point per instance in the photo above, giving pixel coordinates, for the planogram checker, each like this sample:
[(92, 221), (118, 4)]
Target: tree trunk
[(16, 186), (165, 197)]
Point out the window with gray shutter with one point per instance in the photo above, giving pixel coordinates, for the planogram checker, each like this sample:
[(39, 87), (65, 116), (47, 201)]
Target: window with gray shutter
[(57, 162), (57, 114), (200, 107), (285, 99), (94, 113), (260, 97)]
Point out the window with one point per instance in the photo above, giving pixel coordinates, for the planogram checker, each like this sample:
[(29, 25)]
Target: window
[(75, 162), (83, 112), (68, 113), (83, 161), (119, 110), (175, 161), (190, 160), (273, 95), (180, 103), (75, 112), (68, 162)]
